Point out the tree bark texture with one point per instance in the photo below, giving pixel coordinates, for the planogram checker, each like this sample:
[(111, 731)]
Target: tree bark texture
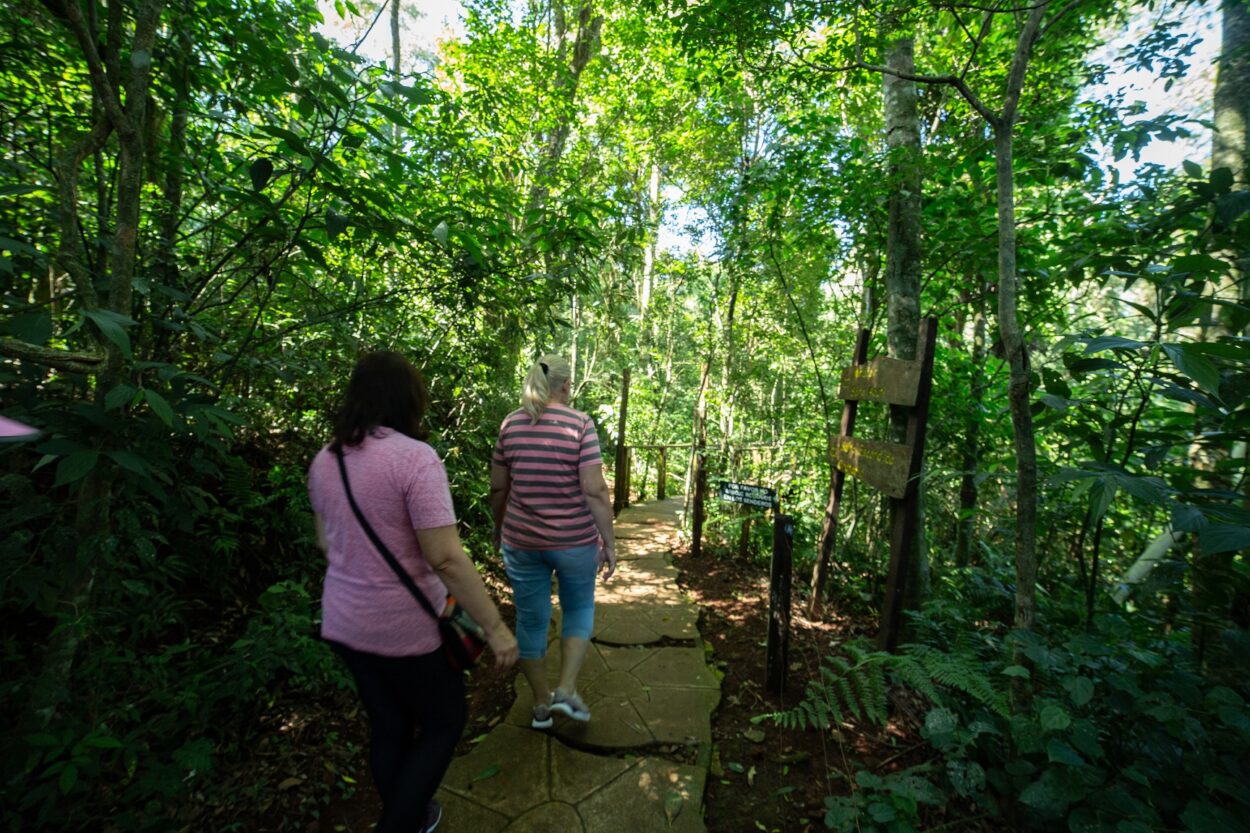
[(1014, 346), (1212, 589), (966, 533), (904, 257)]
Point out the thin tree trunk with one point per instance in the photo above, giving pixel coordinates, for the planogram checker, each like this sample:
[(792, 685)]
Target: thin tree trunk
[(965, 539)]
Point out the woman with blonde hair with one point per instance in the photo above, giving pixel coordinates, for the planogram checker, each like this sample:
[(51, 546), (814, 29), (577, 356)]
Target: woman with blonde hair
[(553, 515)]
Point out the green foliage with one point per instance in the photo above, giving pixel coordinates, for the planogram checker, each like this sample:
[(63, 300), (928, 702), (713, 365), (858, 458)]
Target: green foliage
[(856, 688)]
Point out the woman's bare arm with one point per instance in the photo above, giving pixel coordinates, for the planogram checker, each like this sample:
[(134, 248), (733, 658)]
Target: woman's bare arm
[(443, 551)]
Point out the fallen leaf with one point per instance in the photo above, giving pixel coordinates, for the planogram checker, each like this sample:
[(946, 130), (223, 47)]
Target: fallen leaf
[(754, 735), (673, 802), (734, 766), (751, 777), (490, 772), (293, 781)]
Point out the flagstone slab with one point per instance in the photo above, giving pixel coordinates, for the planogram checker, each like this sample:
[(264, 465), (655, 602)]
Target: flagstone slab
[(461, 815), (504, 773), (575, 775), (679, 715), (552, 817), (653, 795), (677, 667)]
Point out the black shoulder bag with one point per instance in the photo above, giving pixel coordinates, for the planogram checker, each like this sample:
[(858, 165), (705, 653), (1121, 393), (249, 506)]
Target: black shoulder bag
[(463, 639)]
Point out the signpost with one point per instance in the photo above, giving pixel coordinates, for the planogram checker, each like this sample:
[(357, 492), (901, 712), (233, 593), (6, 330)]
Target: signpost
[(746, 494), (891, 468), (781, 574)]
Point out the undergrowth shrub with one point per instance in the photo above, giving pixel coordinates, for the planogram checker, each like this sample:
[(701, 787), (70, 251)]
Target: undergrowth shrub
[(1124, 733)]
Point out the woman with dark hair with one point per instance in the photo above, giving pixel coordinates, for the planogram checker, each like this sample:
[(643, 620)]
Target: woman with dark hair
[(414, 698)]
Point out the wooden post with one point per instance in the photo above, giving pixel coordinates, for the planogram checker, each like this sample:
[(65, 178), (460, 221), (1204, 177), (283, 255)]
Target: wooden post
[(700, 494), (620, 482), (744, 539), (905, 518), (829, 527), (777, 656), (661, 485)]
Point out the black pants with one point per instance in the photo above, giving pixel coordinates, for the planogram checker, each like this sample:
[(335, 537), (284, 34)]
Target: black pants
[(417, 711)]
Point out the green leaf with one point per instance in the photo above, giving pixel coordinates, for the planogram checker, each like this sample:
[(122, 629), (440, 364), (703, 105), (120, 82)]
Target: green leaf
[(129, 461), (261, 171), (1221, 180), (1055, 718), (69, 777), (1080, 689), (1215, 538), (1192, 169), (1202, 817), (1059, 752), (1097, 345), (120, 395), (336, 223), (490, 772), (112, 326), (75, 466), (1196, 366), (1017, 671), (20, 190), (159, 406)]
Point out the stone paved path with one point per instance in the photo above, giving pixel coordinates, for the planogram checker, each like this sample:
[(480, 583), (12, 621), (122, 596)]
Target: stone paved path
[(651, 697)]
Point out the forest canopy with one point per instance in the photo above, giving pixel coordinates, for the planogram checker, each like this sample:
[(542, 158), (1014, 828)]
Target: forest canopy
[(209, 210)]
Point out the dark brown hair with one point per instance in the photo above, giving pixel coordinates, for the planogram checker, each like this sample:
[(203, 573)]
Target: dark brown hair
[(385, 390)]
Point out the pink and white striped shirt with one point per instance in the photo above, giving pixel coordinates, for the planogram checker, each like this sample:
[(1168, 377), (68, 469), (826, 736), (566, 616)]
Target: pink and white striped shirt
[(546, 507)]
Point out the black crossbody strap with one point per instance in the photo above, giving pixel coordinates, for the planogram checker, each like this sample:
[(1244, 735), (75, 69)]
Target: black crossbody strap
[(377, 542)]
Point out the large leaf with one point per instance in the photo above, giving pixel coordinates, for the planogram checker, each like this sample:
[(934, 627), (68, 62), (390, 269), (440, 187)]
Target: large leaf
[(1216, 538), (261, 171), (75, 467), (1196, 366), (113, 326)]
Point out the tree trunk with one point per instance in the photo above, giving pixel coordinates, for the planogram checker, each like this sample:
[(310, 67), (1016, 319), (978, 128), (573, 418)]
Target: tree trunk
[(1016, 352), (1212, 590), (1018, 387), (966, 533), (903, 261)]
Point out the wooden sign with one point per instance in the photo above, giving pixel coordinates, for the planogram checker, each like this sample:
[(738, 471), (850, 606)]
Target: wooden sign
[(748, 495), (884, 466), (883, 379)]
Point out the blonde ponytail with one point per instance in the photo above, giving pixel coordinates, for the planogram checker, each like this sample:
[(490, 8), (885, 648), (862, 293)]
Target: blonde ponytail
[(549, 373)]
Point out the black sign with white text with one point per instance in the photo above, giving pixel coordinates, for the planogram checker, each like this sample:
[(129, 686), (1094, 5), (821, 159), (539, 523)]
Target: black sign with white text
[(748, 495)]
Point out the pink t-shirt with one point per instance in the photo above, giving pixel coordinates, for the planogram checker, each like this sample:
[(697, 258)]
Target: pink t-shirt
[(400, 485), (546, 507)]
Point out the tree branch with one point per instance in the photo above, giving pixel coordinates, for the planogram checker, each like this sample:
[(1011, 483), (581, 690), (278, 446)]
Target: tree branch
[(99, 76), (60, 359), (1020, 61), (948, 80)]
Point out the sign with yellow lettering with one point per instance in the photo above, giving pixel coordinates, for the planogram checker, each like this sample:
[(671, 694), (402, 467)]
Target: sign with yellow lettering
[(883, 379), (884, 466)]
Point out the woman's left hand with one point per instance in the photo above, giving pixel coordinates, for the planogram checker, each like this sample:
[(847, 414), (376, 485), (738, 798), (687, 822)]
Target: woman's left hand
[(607, 560)]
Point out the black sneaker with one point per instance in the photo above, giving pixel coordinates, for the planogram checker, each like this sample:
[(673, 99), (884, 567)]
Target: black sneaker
[(433, 815)]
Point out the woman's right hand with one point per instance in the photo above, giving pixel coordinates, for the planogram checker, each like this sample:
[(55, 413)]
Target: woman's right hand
[(607, 560), (502, 643)]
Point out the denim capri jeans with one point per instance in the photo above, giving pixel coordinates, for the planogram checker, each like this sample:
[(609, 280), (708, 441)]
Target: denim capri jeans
[(530, 572)]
